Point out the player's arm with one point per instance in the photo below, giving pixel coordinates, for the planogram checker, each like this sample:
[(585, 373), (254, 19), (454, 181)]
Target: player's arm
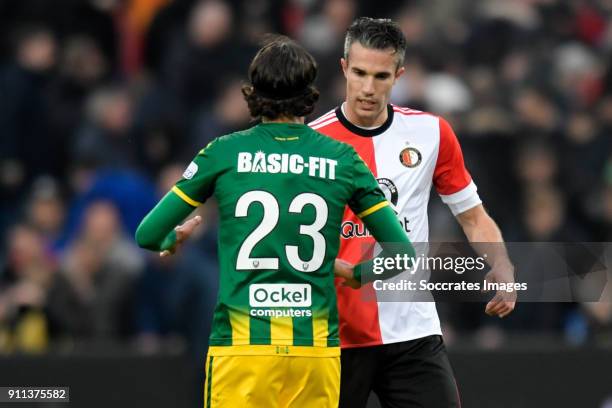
[(370, 204), (161, 230), (457, 190), (386, 229), (485, 236)]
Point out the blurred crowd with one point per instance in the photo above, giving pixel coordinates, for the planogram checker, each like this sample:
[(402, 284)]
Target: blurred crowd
[(104, 102)]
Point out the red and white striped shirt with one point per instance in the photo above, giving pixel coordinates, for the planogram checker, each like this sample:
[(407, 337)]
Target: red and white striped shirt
[(407, 154)]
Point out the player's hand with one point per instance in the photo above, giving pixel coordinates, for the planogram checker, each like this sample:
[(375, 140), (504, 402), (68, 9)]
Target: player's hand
[(503, 302), (183, 232), (345, 270)]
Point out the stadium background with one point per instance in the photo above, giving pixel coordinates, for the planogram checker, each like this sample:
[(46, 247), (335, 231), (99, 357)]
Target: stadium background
[(103, 102)]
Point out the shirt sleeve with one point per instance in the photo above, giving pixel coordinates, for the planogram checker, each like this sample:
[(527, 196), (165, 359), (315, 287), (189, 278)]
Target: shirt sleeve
[(451, 178), (367, 197), (198, 181), (393, 240)]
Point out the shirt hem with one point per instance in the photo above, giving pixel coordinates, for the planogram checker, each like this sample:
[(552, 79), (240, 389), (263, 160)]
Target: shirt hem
[(391, 341), (267, 350)]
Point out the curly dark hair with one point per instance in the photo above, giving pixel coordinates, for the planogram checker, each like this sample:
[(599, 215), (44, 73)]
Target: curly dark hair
[(281, 80)]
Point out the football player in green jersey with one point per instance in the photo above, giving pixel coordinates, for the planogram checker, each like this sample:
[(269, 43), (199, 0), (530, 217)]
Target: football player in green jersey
[(281, 189)]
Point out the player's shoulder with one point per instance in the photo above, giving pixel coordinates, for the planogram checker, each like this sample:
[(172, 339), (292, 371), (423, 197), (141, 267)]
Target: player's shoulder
[(238, 136), (330, 144), (414, 117), (229, 140), (325, 119), (405, 112)]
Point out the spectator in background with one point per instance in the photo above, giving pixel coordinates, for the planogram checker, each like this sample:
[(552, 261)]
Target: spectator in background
[(102, 227), (161, 141), (82, 67), (93, 18), (599, 316), (584, 153), (228, 114), (175, 298), (577, 74), (323, 34), (25, 283), (25, 152), (544, 216), (544, 205), (45, 211), (106, 139), (206, 50), (130, 192), (90, 300), (133, 19), (536, 114), (537, 164), (166, 25)]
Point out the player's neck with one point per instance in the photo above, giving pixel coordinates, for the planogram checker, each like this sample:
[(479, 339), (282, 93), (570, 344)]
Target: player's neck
[(284, 119), (363, 123)]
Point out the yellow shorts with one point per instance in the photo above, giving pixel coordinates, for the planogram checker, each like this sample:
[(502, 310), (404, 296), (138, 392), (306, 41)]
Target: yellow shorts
[(286, 376)]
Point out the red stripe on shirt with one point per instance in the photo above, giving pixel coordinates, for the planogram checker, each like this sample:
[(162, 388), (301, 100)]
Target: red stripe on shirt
[(323, 118), (352, 309), (410, 112), (450, 174)]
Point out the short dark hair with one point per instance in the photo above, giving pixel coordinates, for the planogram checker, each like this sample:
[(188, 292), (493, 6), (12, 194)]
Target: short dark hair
[(378, 34), (281, 80)]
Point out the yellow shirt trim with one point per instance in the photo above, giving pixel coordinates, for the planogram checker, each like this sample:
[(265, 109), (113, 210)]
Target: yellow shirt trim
[(240, 322), (185, 197), (281, 330), (267, 350), (320, 329), (373, 209)]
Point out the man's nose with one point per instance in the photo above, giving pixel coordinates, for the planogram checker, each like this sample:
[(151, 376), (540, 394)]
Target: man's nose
[(368, 86)]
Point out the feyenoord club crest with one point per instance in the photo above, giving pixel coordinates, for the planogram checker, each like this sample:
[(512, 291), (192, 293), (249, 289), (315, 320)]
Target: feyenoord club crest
[(410, 157)]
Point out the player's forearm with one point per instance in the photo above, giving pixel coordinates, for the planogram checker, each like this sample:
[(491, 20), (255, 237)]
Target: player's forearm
[(386, 229), (156, 231), (478, 226), (485, 236)]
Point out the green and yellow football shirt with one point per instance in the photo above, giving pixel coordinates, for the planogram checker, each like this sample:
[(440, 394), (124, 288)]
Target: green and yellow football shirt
[(281, 191)]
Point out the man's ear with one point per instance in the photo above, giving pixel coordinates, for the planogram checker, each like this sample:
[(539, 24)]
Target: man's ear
[(344, 65), (399, 73)]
